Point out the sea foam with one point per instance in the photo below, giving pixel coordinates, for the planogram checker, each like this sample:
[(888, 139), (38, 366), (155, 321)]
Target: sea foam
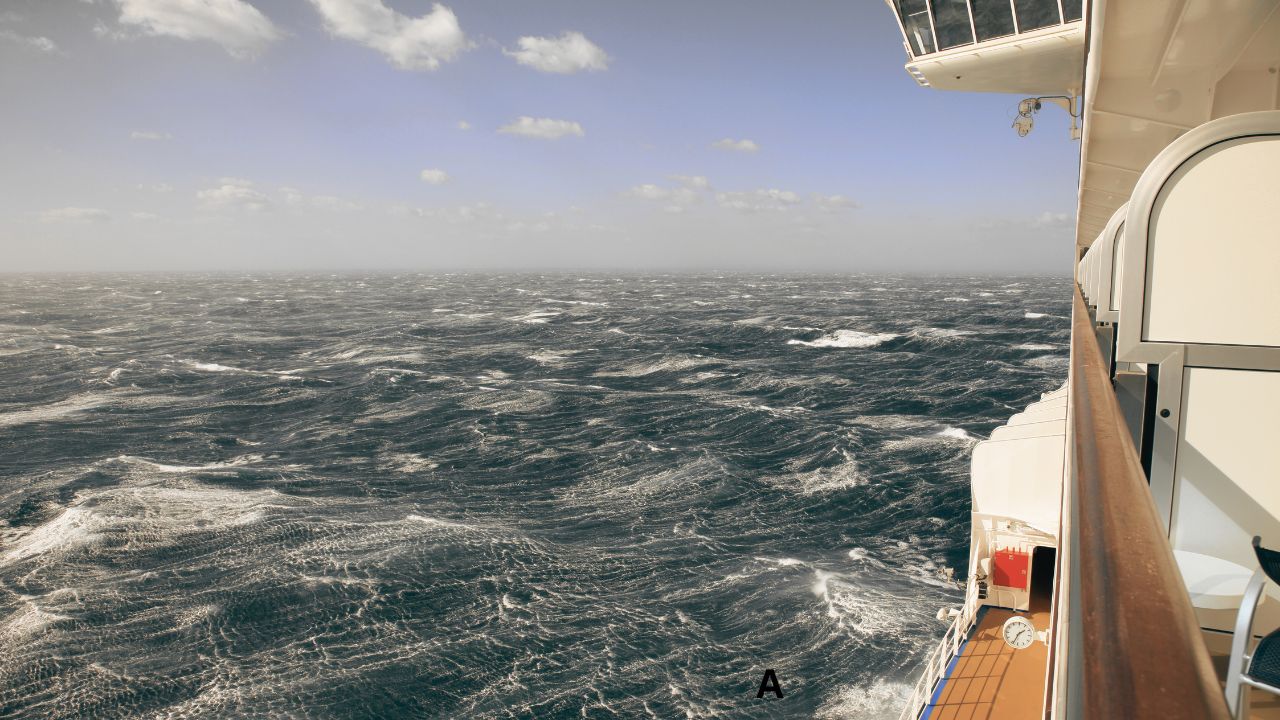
[(846, 339)]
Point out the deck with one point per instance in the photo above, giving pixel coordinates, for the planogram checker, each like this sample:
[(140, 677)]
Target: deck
[(1262, 706), (991, 680)]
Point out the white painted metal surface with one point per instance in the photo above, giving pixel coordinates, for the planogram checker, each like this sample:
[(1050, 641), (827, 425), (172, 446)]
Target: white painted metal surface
[(1212, 582), (1213, 266), (1170, 67)]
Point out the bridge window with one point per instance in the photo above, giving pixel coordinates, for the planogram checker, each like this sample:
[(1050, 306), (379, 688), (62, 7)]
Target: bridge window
[(951, 20), (1036, 14), (993, 18), (915, 23), (933, 25)]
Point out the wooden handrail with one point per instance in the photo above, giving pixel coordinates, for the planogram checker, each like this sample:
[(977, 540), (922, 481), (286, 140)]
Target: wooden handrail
[(1144, 657)]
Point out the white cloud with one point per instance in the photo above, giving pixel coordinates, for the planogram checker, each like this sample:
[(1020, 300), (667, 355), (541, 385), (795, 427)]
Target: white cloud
[(834, 203), (236, 25), (693, 182), (144, 216), (677, 199), (649, 192), (292, 196), (35, 42), (432, 176), (158, 187), (149, 135), (460, 214), (464, 125), (570, 53), (758, 200), (409, 43), (332, 202), (295, 197), (744, 145), (234, 193), (109, 32), (75, 214), (544, 128), (1048, 219)]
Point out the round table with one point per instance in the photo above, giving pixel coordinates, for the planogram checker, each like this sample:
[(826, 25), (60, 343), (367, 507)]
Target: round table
[(1213, 583)]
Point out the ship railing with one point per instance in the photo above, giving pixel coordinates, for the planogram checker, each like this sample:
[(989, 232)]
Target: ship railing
[(1135, 647), (935, 668)]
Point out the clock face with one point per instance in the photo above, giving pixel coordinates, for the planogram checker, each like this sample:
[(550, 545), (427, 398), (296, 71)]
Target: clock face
[(1018, 632)]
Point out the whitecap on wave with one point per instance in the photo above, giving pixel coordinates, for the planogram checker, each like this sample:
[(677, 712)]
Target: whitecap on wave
[(846, 339), (955, 433), (848, 474), (149, 515), (537, 317), (881, 699), (548, 357), (1049, 362), (942, 333), (508, 401), (77, 406), (668, 363), (219, 368), (214, 467)]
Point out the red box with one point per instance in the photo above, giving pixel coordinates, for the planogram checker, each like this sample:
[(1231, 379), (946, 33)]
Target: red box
[(1009, 568)]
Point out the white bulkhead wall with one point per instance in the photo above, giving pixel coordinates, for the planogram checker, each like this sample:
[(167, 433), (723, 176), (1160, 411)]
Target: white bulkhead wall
[(1020, 479), (1214, 276)]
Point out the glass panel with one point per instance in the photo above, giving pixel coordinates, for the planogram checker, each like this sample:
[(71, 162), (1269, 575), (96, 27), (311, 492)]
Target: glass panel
[(1035, 14), (951, 20), (994, 18), (915, 21), (1072, 9)]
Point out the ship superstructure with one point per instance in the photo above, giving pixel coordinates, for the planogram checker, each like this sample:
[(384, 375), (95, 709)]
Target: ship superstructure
[(1113, 520)]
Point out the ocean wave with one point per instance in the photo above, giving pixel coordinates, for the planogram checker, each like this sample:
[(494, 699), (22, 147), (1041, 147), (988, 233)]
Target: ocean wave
[(498, 400), (214, 467), (547, 357), (586, 303), (843, 476), (1034, 315), (221, 540), (955, 433), (219, 368), (667, 364), (933, 333), (880, 699), (78, 406), (536, 317), (846, 339), (152, 515), (1049, 361)]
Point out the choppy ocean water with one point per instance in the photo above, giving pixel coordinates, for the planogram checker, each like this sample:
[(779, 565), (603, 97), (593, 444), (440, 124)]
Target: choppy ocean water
[(493, 496)]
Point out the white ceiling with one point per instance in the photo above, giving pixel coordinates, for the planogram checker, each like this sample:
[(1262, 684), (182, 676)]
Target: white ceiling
[(1158, 68)]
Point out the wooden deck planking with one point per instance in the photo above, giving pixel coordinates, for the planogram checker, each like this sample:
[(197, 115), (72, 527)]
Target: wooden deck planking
[(992, 681)]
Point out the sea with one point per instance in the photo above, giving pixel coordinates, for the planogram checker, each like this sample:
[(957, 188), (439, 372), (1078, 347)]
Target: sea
[(494, 496)]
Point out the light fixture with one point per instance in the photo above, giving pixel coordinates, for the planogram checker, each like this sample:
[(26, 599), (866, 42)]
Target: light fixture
[(1027, 108)]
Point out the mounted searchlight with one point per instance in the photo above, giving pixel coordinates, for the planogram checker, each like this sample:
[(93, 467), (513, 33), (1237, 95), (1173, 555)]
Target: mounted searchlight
[(1025, 119)]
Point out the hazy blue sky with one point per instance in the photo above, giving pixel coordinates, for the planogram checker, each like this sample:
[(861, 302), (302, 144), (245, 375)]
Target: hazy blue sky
[(401, 134)]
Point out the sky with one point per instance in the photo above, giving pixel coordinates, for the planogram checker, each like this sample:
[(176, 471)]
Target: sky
[(729, 135)]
